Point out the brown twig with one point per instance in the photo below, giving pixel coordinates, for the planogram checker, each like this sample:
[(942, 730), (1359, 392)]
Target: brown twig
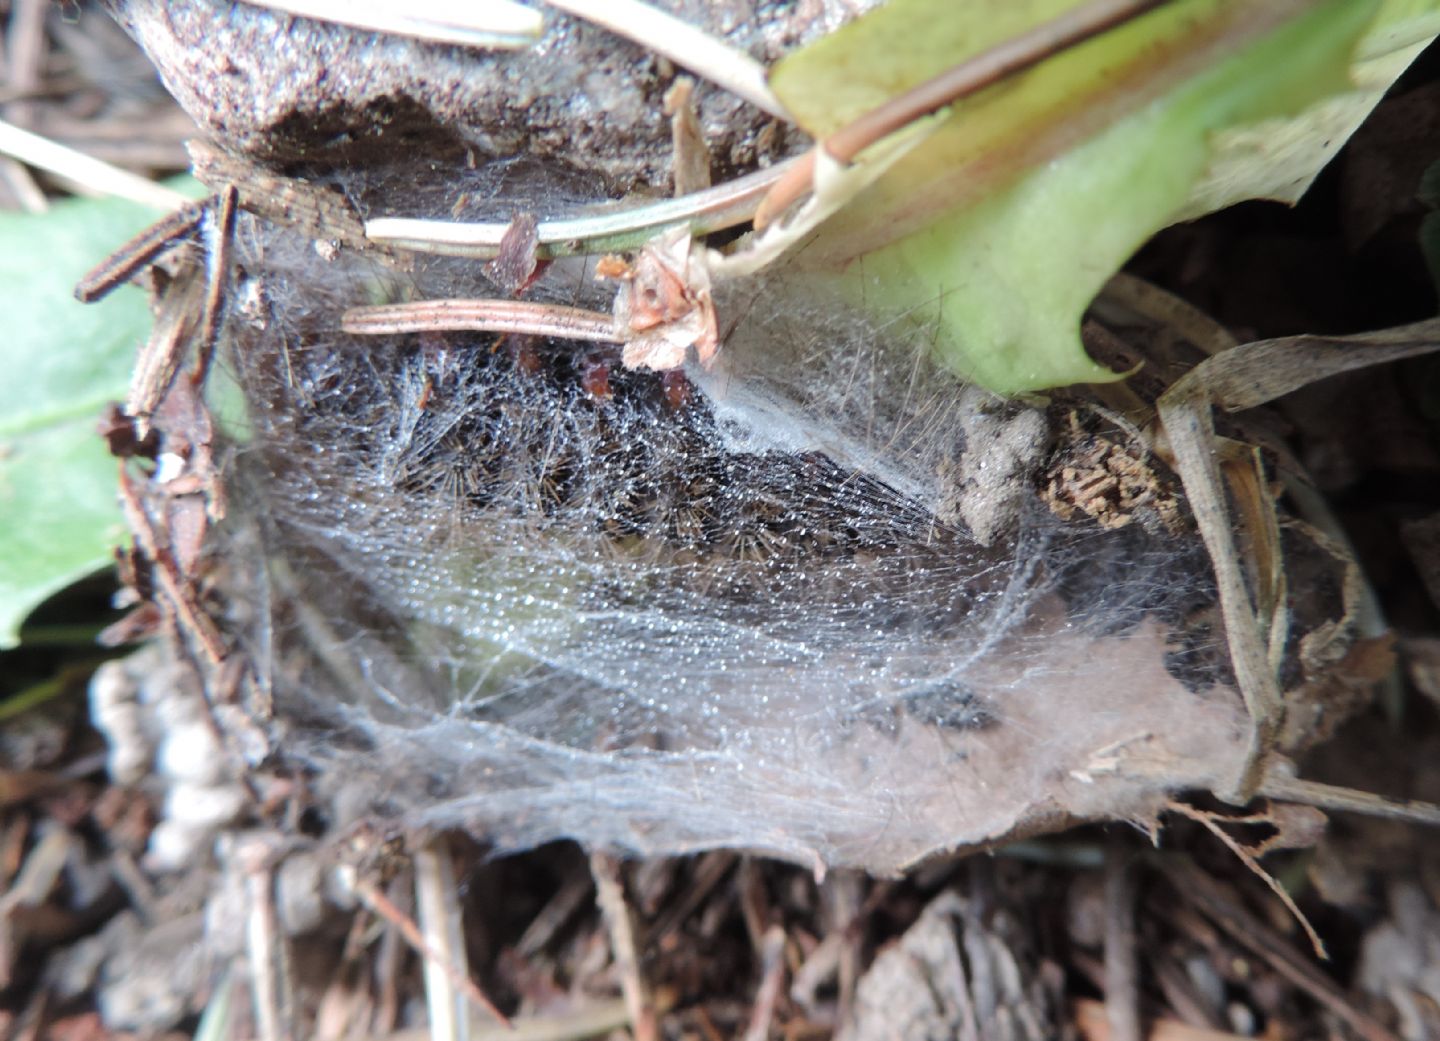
[(441, 923), (383, 906), (24, 59), (25, 56), (959, 81), (486, 316), (30, 889), (270, 982), (178, 602), (1093, 1024), (1262, 940), (1211, 822), (610, 895), (598, 1019), (179, 310), (319, 211), (141, 251), (558, 910), (750, 895), (772, 973), (1122, 991), (708, 873), (219, 233), (1333, 797)]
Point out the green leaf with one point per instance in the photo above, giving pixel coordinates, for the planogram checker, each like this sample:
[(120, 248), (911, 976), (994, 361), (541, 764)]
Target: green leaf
[(1001, 227), (63, 361)]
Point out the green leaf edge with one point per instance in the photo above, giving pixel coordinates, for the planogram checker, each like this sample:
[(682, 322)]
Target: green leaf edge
[(58, 509), (1007, 277)]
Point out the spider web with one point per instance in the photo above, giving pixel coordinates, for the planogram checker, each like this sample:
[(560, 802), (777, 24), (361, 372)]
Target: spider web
[(808, 603)]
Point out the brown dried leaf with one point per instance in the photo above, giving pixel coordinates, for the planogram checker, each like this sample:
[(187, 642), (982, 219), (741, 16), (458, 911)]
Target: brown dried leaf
[(515, 266)]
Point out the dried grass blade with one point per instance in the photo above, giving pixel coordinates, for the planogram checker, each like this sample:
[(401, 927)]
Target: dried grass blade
[(714, 209), (1255, 373), (682, 43), (84, 170), (491, 24), (1190, 429)]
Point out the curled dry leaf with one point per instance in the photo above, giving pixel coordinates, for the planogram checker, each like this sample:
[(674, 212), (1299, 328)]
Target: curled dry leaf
[(664, 306)]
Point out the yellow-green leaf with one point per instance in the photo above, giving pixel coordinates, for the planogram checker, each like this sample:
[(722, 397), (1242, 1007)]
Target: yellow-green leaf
[(1006, 221)]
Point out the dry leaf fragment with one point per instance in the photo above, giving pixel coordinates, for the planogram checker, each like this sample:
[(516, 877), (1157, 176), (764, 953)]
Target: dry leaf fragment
[(1234, 380), (516, 266), (692, 156), (665, 302)]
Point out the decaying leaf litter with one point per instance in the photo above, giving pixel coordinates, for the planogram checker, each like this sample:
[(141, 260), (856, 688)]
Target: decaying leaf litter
[(968, 718)]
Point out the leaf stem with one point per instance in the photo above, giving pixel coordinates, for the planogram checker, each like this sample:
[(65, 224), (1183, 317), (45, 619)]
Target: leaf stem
[(959, 81)]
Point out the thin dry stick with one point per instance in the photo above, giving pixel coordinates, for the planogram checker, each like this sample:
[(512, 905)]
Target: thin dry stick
[(321, 212), (845, 912), (440, 922), (179, 603), (610, 895), (387, 976), (558, 910), (32, 887), (269, 964), (682, 43), (382, 905), (32, 1024), (1211, 822), (266, 974), (25, 48), (25, 51), (1260, 939), (820, 965), (709, 872), (487, 316), (959, 81), (41, 870), (714, 209), (123, 264), (598, 1020), (1122, 992), (219, 233), (23, 189), (1277, 785), (772, 973), (1093, 1026), (476, 23), (690, 156), (85, 171), (179, 311)]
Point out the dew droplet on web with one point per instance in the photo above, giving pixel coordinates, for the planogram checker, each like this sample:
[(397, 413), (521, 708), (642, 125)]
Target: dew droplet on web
[(810, 602)]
